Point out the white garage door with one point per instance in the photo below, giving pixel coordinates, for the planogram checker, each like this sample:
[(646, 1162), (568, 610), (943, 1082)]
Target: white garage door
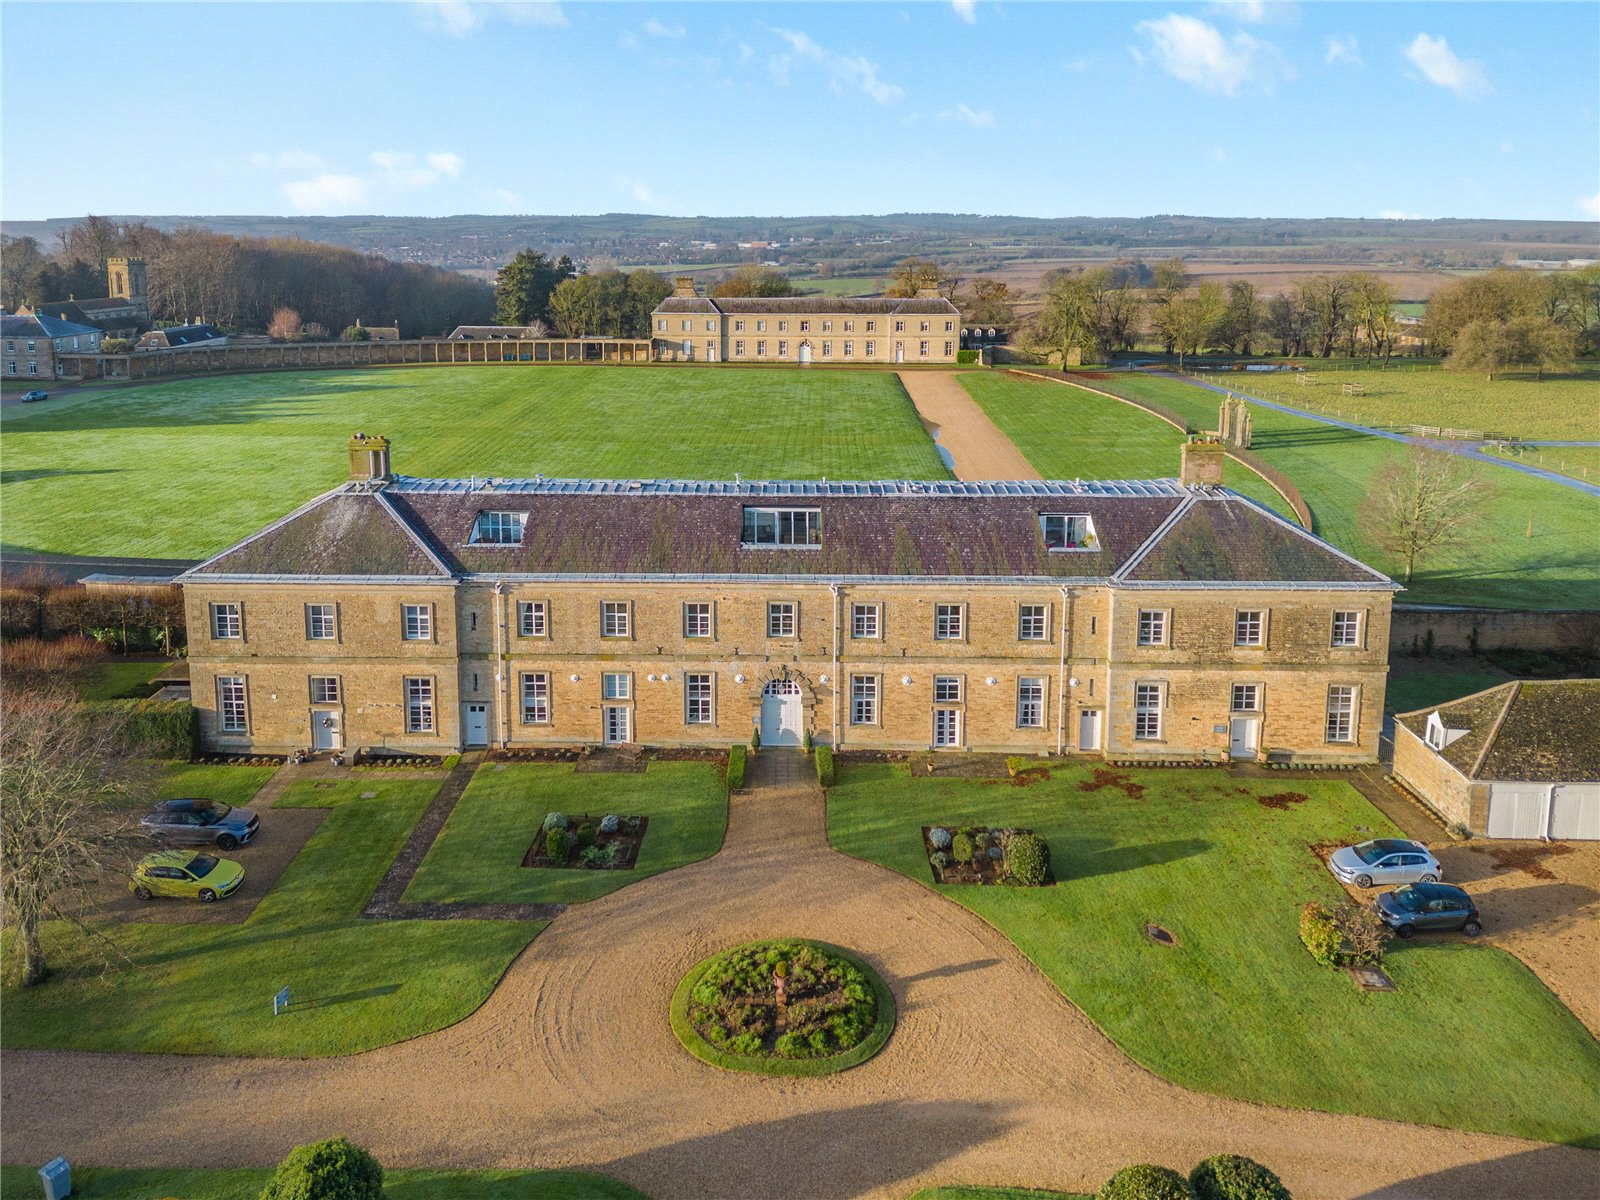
[(1575, 812), (1516, 810)]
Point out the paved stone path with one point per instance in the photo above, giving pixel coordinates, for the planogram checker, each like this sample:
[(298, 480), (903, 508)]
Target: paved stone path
[(974, 444), (992, 1076)]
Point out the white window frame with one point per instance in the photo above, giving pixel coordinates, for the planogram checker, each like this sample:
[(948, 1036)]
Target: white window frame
[(761, 347), (849, 348), (233, 704), (1148, 701), (783, 618), (738, 348), (949, 622), (700, 698), (872, 346), (1063, 541), (419, 704), (1030, 702), (866, 622), (616, 618), (948, 689), (325, 689), (1343, 709), (1033, 622), (699, 619), (616, 685), (535, 690), (1245, 697), (946, 727), (533, 618), (1351, 622), (227, 621), (416, 622), (1250, 627), (784, 525), (1153, 629), (322, 622), (495, 528), (864, 695)]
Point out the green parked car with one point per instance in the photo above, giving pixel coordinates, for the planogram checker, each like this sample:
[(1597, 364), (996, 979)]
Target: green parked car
[(185, 874)]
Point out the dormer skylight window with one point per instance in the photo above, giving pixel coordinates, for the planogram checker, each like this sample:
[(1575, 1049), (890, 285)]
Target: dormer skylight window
[(1068, 532), (792, 527), (498, 528)]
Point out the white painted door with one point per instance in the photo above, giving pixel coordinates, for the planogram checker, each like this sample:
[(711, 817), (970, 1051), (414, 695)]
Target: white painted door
[(477, 724), (1089, 729), (1516, 810), (325, 732), (1575, 811), (946, 727), (1242, 737), (805, 353), (618, 726), (899, 352), (781, 719)]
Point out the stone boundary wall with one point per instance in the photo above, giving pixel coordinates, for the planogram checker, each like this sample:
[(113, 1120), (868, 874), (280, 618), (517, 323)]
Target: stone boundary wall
[(1495, 628), (306, 356)]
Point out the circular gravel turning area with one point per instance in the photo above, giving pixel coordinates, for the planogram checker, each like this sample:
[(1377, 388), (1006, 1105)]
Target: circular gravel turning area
[(783, 1007)]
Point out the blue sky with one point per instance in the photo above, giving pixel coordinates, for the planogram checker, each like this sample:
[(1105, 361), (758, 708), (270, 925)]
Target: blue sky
[(1116, 109)]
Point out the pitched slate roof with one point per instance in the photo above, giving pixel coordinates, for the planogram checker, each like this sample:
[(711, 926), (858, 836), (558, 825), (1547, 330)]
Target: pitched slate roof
[(55, 327), (190, 335), (803, 305), (13, 326), (1527, 731), (886, 529)]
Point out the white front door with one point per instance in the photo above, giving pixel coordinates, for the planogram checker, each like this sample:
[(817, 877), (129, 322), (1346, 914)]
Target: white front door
[(1242, 737), (617, 724), (805, 352), (325, 733), (1089, 729), (477, 724), (781, 713), (899, 352), (947, 727)]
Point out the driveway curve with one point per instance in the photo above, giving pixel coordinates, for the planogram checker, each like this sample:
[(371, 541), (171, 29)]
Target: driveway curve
[(992, 1076)]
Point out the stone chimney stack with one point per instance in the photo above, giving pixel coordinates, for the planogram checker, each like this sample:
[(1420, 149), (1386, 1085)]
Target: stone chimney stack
[(683, 285), (369, 457), (927, 293), (1202, 462)]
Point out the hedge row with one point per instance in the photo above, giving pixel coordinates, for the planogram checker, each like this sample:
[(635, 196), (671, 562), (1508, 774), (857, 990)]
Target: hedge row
[(737, 756), (824, 756), (159, 728)]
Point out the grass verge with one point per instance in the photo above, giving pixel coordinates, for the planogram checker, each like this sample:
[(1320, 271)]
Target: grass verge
[(796, 1068), (1238, 1007), (477, 857), (112, 1183), (122, 678)]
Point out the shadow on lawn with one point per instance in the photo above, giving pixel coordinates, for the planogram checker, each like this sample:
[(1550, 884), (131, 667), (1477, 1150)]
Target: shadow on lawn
[(371, 993), (1086, 860)]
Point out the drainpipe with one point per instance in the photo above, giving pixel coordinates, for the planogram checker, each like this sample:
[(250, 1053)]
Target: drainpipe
[(502, 683), (1111, 650), (1061, 679), (834, 678)]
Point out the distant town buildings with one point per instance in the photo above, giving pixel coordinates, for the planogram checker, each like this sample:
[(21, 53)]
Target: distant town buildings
[(124, 313)]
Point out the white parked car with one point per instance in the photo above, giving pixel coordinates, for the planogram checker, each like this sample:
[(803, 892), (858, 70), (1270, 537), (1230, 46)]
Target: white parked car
[(1385, 862)]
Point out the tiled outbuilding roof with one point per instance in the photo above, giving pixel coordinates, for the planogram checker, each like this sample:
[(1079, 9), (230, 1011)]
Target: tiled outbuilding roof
[(1527, 731), (809, 305), (342, 533)]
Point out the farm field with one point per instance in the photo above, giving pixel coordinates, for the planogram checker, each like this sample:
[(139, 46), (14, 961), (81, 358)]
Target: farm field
[(360, 983), (183, 469), (1334, 468), (245, 1183), (1562, 406), (1237, 1007), (1070, 434)]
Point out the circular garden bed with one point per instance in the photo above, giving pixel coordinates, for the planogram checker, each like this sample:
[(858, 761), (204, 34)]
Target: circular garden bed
[(834, 1012)]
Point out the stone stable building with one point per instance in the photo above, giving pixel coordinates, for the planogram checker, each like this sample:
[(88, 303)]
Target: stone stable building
[(689, 327), (1156, 619)]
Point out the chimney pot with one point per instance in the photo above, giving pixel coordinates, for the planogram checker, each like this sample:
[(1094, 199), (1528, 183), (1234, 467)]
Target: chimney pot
[(369, 457), (1202, 463)]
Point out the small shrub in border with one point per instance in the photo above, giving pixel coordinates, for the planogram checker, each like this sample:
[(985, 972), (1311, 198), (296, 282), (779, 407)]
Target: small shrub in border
[(737, 757), (332, 1169), (1029, 860), (586, 834), (1348, 936), (962, 848), (609, 823), (1145, 1181), (555, 845), (939, 838), (1320, 935), (824, 756), (554, 820), (1234, 1177)]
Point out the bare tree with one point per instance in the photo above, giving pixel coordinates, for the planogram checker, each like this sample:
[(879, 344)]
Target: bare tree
[(284, 326), (68, 781), (1427, 501)]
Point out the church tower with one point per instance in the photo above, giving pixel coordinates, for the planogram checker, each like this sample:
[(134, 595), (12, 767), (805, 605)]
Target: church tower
[(125, 280)]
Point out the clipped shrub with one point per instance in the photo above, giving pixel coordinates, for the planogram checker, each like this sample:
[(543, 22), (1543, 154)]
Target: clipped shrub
[(554, 820), (1319, 933), (586, 833), (962, 848), (755, 739), (737, 757), (825, 766), (1028, 860), (968, 357), (1145, 1181), (1234, 1177), (809, 741), (555, 845), (939, 838), (156, 728), (332, 1169), (609, 823), (940, 859)]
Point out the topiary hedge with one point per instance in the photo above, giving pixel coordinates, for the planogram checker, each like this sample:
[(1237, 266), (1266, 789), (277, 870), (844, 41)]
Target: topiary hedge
[(737, 757), (1029, 860), (824, 756), (1234, 1177), (332, 1169), (964, 357), (1145, 1181), (962, 847), (157, 728)]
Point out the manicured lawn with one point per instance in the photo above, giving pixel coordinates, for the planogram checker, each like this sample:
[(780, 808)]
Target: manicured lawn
[(1334, 468), (231, 785), (355, 984), (122, 677), (1426, 682), (478, 855), (110, 1183), (1238, 1007), (1580, 462), (1071, 434), (243, 450)]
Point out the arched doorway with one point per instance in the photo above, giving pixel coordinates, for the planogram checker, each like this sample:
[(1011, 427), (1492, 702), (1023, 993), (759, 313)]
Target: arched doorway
[(782, 713), (805, 353)]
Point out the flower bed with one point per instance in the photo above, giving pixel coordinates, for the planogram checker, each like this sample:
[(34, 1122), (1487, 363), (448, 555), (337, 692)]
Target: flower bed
[(571, 841), (982, 854), (789, 1007)]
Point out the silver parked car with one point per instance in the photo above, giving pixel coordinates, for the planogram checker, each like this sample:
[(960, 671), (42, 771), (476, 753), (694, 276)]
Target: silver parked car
[(201, 823), (1385, 862)]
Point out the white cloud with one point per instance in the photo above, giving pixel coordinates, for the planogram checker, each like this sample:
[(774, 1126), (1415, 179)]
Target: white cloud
[(1343, 49), (656, 29), (1082, 63), (1253, 12), (853, 72), (446, 163), (1197, 53), (287, 160), (1440, 65), (1398, 214), (1590, 204), (969, 116), (459, 18), (1218, 154), (327, 195), (404, 171), (967, 10)]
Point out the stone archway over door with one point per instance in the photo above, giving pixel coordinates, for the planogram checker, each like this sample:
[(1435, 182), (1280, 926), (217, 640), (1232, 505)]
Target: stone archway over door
[(782, 713), (805, 353)]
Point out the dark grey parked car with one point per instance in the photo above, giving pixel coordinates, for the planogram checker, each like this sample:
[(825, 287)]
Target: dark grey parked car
[(201, 823), (1428, 907)]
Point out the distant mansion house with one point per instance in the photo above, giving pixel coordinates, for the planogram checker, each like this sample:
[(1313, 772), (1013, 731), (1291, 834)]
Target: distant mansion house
[(32, 344), (124, 313), (1165, 619), (689, 327)]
